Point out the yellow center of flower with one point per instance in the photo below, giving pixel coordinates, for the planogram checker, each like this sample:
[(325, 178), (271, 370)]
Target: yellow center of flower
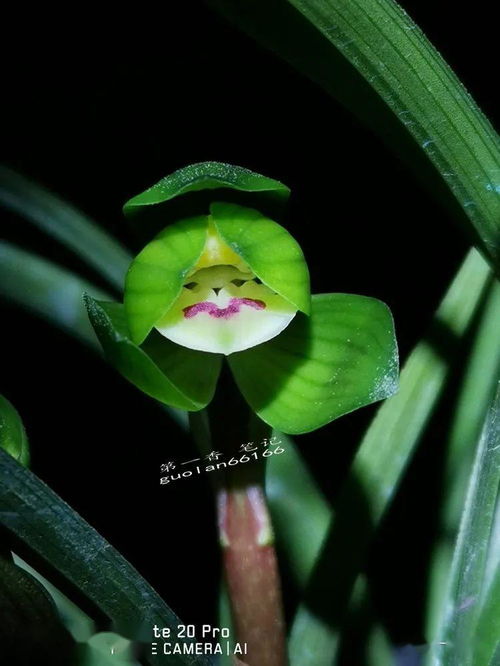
[(217, 253)]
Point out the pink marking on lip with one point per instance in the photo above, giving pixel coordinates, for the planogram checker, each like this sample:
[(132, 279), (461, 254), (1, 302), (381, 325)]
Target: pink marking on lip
[(222, 313)]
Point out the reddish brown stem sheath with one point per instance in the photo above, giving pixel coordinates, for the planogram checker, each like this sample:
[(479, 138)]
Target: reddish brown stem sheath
[(251, 572), (246, 536)]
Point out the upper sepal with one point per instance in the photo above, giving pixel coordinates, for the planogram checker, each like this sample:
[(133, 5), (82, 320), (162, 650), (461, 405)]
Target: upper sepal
[(176, 376), (272, 254), (342, 357), (155, 277), (196, 178)]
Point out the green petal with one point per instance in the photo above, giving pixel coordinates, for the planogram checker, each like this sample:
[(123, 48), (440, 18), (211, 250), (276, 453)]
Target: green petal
[(175, 376), (206, 176), (155, 277), (343, 357), (271, 252)]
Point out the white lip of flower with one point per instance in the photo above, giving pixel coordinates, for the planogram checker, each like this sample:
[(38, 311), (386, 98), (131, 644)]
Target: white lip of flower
[(223, 309)]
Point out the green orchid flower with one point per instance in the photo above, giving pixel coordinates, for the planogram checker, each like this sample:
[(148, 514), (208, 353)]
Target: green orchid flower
[(230, 282), (225, 291)]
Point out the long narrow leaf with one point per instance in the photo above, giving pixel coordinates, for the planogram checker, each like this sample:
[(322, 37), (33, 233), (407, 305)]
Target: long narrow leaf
[(300, 512), (37, 516), (487, 634), (47, 290), (476, 392), (301, 517), (377, 470), (457, 636), (76, 621), (336, 42), (66, 224)]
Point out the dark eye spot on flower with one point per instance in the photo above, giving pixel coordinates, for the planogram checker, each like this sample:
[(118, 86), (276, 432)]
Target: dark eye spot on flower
[(257, 280), (190, 285), (238, 283)]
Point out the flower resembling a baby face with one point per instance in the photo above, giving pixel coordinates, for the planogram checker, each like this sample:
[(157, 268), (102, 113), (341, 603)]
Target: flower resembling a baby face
[(219, 283), (223, 306), (230, 281)]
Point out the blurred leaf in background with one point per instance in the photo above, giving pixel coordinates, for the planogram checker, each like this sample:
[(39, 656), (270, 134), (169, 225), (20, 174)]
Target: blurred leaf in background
[(468, 634), (31, 631)]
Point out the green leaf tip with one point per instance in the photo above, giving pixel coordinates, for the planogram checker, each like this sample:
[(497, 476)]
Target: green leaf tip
[(206, 176), (344, 356), (13, 438), (173, 375)]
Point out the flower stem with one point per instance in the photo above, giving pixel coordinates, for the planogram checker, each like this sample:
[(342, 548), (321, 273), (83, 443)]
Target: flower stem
[(251, 572), (245, 531)]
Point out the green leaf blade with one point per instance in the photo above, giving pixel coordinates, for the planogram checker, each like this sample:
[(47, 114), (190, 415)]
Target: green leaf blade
[(30, 624), (76, 621), (378, 468), (354, 47), (13, 438), (341, 358), (388, 49), (480, 374), (66, 224), (300, 512), (487, 633), (47, 290), (456, 637)]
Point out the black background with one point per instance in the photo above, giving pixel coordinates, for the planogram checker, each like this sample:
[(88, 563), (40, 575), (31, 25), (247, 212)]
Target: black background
[(98, 108)]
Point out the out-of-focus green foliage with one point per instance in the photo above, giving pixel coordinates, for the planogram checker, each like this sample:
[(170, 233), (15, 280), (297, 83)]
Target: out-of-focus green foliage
[(47, 290), (66, 224), (468, 632)]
